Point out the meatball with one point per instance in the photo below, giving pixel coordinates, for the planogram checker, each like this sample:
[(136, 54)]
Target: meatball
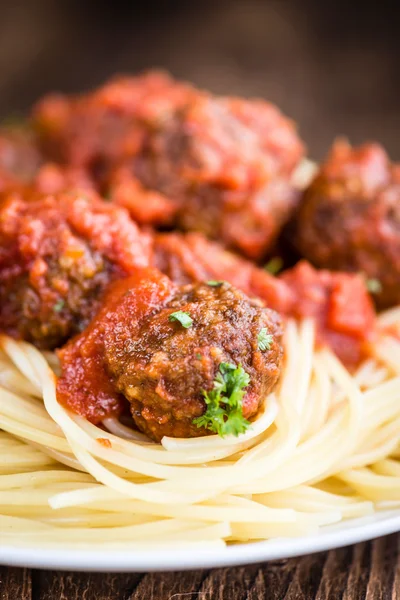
[(175, 156), (221, 166), (163, 365), (57, 255), (349, 218), (98, 129)]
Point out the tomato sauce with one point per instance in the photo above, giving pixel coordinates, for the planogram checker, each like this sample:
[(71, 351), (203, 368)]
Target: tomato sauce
[(340, 305), (86, 387)]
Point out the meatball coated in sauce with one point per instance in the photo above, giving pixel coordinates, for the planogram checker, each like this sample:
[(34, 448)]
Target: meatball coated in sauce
[(175, 156), (162, 367), (349, 218), (159, 365), (221, 166), (57, 255)]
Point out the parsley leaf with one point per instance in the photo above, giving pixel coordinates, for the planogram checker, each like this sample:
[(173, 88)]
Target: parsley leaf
[(59, 305), (274, 265), (264, 340), (224, 403), (214, 283), (374, 286), (182, 317), (198, 356)]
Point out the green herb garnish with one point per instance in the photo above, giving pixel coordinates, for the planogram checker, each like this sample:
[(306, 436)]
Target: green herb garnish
[(182, 317), (264, 340), (59, 305), (224, 403), (274, 265), (374, 286), (213, 283), (198, 356)]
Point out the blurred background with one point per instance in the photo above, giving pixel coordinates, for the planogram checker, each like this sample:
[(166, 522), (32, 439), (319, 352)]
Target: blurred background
[(333, 66)]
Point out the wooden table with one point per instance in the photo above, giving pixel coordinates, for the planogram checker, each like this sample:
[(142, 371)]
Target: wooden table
[(368, 571)]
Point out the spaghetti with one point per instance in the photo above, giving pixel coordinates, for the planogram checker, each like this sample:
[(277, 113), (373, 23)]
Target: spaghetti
[(326, 448)]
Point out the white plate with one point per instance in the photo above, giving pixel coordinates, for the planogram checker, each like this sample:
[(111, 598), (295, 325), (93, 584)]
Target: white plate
[(335, 536)]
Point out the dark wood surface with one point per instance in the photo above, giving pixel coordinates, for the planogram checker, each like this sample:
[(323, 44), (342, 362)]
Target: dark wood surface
[(333, 66), (369, 571)]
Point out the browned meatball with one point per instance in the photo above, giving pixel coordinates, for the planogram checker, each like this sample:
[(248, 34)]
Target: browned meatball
[(57, 255), (349, 218), (175, 156), (162, 346), (164, 366), (224, 166)]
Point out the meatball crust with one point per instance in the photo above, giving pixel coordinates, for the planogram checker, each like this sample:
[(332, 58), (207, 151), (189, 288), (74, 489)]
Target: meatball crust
[(221, 166), (133, 351), (164, 367), (349, 218), (57, 255)]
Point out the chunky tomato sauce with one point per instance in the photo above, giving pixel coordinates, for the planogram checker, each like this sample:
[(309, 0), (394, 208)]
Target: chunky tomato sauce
[(340, 305), (86, 387)]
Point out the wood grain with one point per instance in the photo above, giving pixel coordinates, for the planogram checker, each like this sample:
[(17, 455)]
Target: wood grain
[(368, 571), (51, 585), (15, 584)]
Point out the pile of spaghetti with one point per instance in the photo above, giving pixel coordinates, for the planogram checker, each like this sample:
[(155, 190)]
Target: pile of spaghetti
[(199, 328), (326, 449)]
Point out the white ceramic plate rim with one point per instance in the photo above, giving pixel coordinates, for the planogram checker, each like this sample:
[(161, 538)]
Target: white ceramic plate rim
[(343, 534)]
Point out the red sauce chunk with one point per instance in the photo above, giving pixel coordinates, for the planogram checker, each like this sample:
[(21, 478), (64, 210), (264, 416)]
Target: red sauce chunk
[(339, 303)]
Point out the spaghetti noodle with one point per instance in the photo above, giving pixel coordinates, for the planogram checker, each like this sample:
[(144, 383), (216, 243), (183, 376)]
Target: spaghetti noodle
[(326, 448)]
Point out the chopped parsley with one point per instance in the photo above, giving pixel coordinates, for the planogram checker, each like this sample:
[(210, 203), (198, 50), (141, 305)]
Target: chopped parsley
[(224, 402), (374, 286), (274, 265), (213, 283), (59, 305), (264, 340), (198, 356), (182, 317)]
